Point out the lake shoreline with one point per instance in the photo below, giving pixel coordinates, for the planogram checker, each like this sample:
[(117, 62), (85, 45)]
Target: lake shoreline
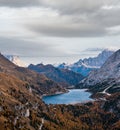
[(54, 94), (72, 96)]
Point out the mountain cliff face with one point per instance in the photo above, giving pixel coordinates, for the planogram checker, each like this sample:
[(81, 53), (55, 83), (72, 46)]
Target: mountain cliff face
[(16, 60), (88, 64), (62, 76), (107, 77)]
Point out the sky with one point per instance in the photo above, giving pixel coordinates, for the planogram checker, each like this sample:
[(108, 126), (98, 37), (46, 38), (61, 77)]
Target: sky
[(56, 31)]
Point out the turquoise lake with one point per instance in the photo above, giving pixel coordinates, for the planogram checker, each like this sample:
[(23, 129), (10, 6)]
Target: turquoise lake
[(72, 97)]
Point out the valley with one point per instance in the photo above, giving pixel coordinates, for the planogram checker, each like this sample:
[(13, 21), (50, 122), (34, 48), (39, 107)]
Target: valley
[(59, 64), (22, 108)]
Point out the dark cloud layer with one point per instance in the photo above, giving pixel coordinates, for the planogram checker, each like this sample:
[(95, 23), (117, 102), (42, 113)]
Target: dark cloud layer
[(61, 30), (73, 6), (83, 18), (78, 6), (87, 18)]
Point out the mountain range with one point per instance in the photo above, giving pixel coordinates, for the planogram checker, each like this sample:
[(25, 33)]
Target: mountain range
[(67, 75), (22, 108), (64, 77), (83, 66), (86, 65)]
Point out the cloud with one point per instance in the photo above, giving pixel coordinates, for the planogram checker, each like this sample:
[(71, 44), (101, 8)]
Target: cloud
[(47, 28), (111, 48), (28, 48), (67, 29), (93, 49), (73, 18), (19, 3), (70, 18), (77, 7), (73, 6)]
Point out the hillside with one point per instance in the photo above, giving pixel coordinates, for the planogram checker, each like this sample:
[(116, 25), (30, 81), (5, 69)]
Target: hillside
[(37, 81), (22, 110), (16, 60), (62, 76)]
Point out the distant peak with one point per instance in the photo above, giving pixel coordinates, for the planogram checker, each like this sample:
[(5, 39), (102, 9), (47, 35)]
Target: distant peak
[(16, 60)]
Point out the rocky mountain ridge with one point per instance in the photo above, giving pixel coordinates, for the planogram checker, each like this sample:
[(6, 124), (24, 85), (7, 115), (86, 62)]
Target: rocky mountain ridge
[(86, 65), (107, 78), (62, 76)]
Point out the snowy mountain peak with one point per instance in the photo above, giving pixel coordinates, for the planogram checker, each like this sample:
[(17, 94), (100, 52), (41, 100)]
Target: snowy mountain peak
[(96, 62), (110, 70), (84, 66), (16, 60)]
